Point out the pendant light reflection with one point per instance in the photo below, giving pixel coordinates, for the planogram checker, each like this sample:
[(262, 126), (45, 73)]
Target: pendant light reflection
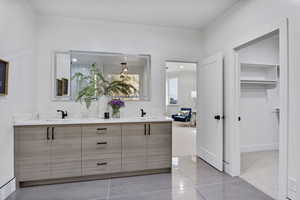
[(124, 68)]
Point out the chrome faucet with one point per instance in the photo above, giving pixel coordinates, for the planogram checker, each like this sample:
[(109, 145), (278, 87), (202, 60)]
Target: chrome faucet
[(64, 114), (143, 113)]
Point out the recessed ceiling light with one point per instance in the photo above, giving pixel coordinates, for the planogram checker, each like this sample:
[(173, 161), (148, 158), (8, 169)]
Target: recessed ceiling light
[(74, 59), (181, 66)]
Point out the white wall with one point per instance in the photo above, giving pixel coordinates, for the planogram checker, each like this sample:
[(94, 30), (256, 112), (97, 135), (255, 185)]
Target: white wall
[(259, 128), (249, 19), (16, 46), (87, 35)]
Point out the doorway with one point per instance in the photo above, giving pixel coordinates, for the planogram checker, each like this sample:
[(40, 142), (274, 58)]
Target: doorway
[(180, 104), (262, 96)]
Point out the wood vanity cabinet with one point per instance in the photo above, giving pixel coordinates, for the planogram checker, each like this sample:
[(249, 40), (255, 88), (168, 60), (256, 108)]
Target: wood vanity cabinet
[(32, 153), (146, 146), (47, 152), (159, 146), (101, 149), (134, 148), (62, 153), (65, 151)]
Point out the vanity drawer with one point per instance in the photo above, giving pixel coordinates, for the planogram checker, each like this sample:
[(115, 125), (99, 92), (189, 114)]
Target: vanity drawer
[(104, 164), (102, 130), (101, 140)]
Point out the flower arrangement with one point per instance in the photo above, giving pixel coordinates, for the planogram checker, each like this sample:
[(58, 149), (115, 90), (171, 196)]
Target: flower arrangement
[(116, 104)]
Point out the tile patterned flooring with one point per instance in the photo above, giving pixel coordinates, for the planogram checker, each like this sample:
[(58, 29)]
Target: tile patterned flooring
[(260, 169), (191, 179), (183, 135)]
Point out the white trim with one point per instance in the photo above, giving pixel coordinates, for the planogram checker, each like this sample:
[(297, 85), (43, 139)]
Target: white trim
[(286, 79), (292, 188), (208, 157), (260, 147), (8, 189)]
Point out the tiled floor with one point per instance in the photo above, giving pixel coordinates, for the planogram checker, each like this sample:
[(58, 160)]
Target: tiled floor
[(261, 170), (191, 179), (183, 135)]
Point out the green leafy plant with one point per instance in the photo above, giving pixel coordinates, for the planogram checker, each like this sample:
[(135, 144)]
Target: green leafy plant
[(94, 85)]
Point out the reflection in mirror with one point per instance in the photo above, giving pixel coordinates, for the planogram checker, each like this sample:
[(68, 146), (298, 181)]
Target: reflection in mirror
[(62, 75), (133, 69)]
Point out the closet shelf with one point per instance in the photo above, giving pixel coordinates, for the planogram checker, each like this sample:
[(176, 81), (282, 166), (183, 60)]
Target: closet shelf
[(259, 65), (261, 82)]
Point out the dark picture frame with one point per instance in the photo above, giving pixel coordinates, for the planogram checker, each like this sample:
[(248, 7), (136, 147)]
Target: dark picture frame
[(4, 67)]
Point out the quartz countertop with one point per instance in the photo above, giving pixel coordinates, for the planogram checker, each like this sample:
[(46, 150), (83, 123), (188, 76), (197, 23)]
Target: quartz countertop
[(41, 122)]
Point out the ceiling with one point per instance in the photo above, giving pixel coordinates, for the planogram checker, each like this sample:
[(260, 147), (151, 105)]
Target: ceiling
[(193, 14)]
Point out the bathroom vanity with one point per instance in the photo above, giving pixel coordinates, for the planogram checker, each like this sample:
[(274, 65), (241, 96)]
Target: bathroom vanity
[(57, 151)]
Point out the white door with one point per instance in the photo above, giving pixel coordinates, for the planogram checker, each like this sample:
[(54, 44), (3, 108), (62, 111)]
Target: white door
[(210, 111)]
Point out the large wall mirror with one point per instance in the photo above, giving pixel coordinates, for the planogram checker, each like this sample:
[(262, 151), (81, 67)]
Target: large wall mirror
[(113, 66)]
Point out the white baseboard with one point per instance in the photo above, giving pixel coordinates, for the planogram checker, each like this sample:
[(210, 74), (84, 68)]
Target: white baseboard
[(260, 147), (209, 157), (7, 189), (292, 188)]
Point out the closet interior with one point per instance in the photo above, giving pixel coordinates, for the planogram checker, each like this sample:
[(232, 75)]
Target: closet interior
[(259, 112)]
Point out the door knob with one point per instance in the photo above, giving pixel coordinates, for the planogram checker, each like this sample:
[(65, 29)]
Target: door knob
[(218, 117)]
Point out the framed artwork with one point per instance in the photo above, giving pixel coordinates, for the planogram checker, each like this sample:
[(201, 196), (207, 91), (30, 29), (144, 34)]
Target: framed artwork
[(4, 65)]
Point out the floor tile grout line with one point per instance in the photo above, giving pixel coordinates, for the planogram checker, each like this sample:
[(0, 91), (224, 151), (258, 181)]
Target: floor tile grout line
[(152, 192), (215, 184), (108, 190), (204, 198)]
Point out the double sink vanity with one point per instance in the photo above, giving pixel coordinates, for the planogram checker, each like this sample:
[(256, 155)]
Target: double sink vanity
[(58, 151)]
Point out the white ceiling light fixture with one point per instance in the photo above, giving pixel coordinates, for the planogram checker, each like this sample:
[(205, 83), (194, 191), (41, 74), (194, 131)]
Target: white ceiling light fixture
[(181, 67), (74, 60)]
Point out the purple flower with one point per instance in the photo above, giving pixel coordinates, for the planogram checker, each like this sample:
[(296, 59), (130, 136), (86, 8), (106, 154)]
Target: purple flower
[(116, 103)]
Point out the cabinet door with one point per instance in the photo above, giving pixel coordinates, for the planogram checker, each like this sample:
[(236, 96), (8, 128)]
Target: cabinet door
[(65, 151), (159, 145), (101, 149), (32, 153), (133, 147)]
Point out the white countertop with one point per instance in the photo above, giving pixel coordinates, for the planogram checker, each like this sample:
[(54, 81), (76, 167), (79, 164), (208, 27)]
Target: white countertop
[(89, 121)]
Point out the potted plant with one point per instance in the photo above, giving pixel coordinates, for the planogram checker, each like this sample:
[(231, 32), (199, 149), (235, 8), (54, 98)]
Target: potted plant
[(116, 104), (94, 86)]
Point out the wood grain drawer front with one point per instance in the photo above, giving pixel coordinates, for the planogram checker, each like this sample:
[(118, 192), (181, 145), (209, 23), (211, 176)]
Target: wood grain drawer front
[(66, 152), (133, 147), (95, 143), (105, 164), (32, 153)]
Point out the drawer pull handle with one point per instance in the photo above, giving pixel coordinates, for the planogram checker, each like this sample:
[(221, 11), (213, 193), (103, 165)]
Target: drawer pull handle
[(53, 133), (102, 164), (149, 129), (101, 129), (48, 136), (101, 143)]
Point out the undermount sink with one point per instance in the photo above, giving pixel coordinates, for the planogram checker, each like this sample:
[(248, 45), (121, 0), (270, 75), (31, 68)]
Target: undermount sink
[(145, 118), (58, 120)]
